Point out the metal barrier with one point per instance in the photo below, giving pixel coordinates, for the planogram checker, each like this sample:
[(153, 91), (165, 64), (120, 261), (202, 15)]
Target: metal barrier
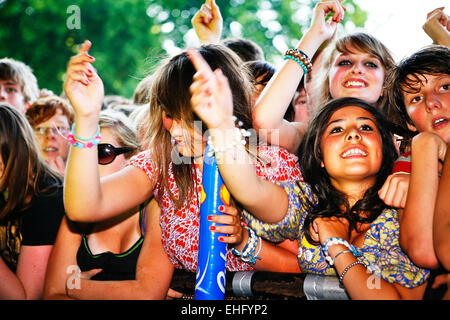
[(318, 287), (259, 285)]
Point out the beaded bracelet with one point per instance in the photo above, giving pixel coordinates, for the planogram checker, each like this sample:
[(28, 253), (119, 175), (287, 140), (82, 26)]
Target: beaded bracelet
[(301, 57), (333, 241), (81, 143), (351, 265), (251, 243), (239, 136), (305, 69), (248, 253)]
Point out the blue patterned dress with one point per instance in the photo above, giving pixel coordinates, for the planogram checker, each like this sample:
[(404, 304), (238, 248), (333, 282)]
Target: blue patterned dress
[(381, 251)]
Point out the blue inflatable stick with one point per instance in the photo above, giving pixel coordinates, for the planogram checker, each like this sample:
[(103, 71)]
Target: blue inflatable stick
[(212, 254)]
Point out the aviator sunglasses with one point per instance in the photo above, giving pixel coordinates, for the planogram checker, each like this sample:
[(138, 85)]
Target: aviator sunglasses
[(107, 152)]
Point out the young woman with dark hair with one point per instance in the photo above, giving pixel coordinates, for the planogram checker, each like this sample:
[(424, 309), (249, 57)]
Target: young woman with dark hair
[(31, 208), (348, 152)]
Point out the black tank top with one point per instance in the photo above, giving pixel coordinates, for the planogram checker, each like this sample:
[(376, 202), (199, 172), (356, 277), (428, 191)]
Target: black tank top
[(121, 266)]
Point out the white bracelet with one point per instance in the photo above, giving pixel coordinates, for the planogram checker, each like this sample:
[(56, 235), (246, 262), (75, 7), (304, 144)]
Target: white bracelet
[(239, 136), (332, 241)]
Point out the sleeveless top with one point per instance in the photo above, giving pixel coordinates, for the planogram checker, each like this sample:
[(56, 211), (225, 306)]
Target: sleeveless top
[(121, 266), (180, 228)]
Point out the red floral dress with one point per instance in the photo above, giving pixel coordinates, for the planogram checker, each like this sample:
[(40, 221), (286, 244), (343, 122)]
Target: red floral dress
[(180, 228)]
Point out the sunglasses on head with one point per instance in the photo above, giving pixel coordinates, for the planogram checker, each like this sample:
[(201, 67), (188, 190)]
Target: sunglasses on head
[(107, 152)]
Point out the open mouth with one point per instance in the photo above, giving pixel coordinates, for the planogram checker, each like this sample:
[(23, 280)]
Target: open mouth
[(355, 84), (439, 122), (50, 149), (353, 152)]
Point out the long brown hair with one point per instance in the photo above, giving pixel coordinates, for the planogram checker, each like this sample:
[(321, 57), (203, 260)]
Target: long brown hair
[(330, 201), (170, 94), (24, 173)]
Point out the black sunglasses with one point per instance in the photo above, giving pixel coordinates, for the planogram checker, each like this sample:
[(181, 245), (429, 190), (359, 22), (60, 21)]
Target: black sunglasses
[(107, 152)]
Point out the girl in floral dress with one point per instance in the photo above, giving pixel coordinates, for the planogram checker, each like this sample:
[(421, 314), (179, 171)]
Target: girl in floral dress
[(342, 225), (171, 170)]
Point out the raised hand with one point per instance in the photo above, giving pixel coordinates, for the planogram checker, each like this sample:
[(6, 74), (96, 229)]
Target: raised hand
[(437, 26), (211, 96), (208, 22), (395, 190), (83, 86), (320, 25)]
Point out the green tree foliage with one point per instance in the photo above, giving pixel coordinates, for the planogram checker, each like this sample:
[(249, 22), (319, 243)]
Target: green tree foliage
[(130, 36)]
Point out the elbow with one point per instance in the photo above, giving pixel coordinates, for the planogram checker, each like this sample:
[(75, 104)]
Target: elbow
[(50, 293), (442, 252), (260, 121), (419, 252), (77, 213), (257, 120)]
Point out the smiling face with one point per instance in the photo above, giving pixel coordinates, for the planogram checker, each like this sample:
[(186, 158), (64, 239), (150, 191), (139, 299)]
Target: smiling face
[(351, 146), (357, 74), (428, 105)]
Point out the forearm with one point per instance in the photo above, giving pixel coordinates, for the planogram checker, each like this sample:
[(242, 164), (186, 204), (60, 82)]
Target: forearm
[(267, 201), (82, 189), (11, 288), (274, 258), (359, 283), (441, 223), (275, 99), (277, 259), (115, 290), (416, 223)]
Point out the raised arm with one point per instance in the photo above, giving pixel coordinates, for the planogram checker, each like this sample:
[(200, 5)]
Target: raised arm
[(212, 101), (87, 199), (416, 223), (274, 100), (441, 222)]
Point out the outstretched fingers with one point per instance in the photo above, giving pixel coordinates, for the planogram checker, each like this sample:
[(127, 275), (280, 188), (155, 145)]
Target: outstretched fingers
[(80, 66)]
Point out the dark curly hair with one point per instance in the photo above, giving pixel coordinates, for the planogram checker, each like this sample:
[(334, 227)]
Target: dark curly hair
[(332, 202)]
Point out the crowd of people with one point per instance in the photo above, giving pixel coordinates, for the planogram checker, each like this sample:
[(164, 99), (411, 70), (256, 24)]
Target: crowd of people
[(336, 164)]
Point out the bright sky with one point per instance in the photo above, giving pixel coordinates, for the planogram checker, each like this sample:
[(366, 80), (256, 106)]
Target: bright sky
[(398, 23)]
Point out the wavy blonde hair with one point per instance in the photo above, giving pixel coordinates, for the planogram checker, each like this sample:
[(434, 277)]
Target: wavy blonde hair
[(361, 42)]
